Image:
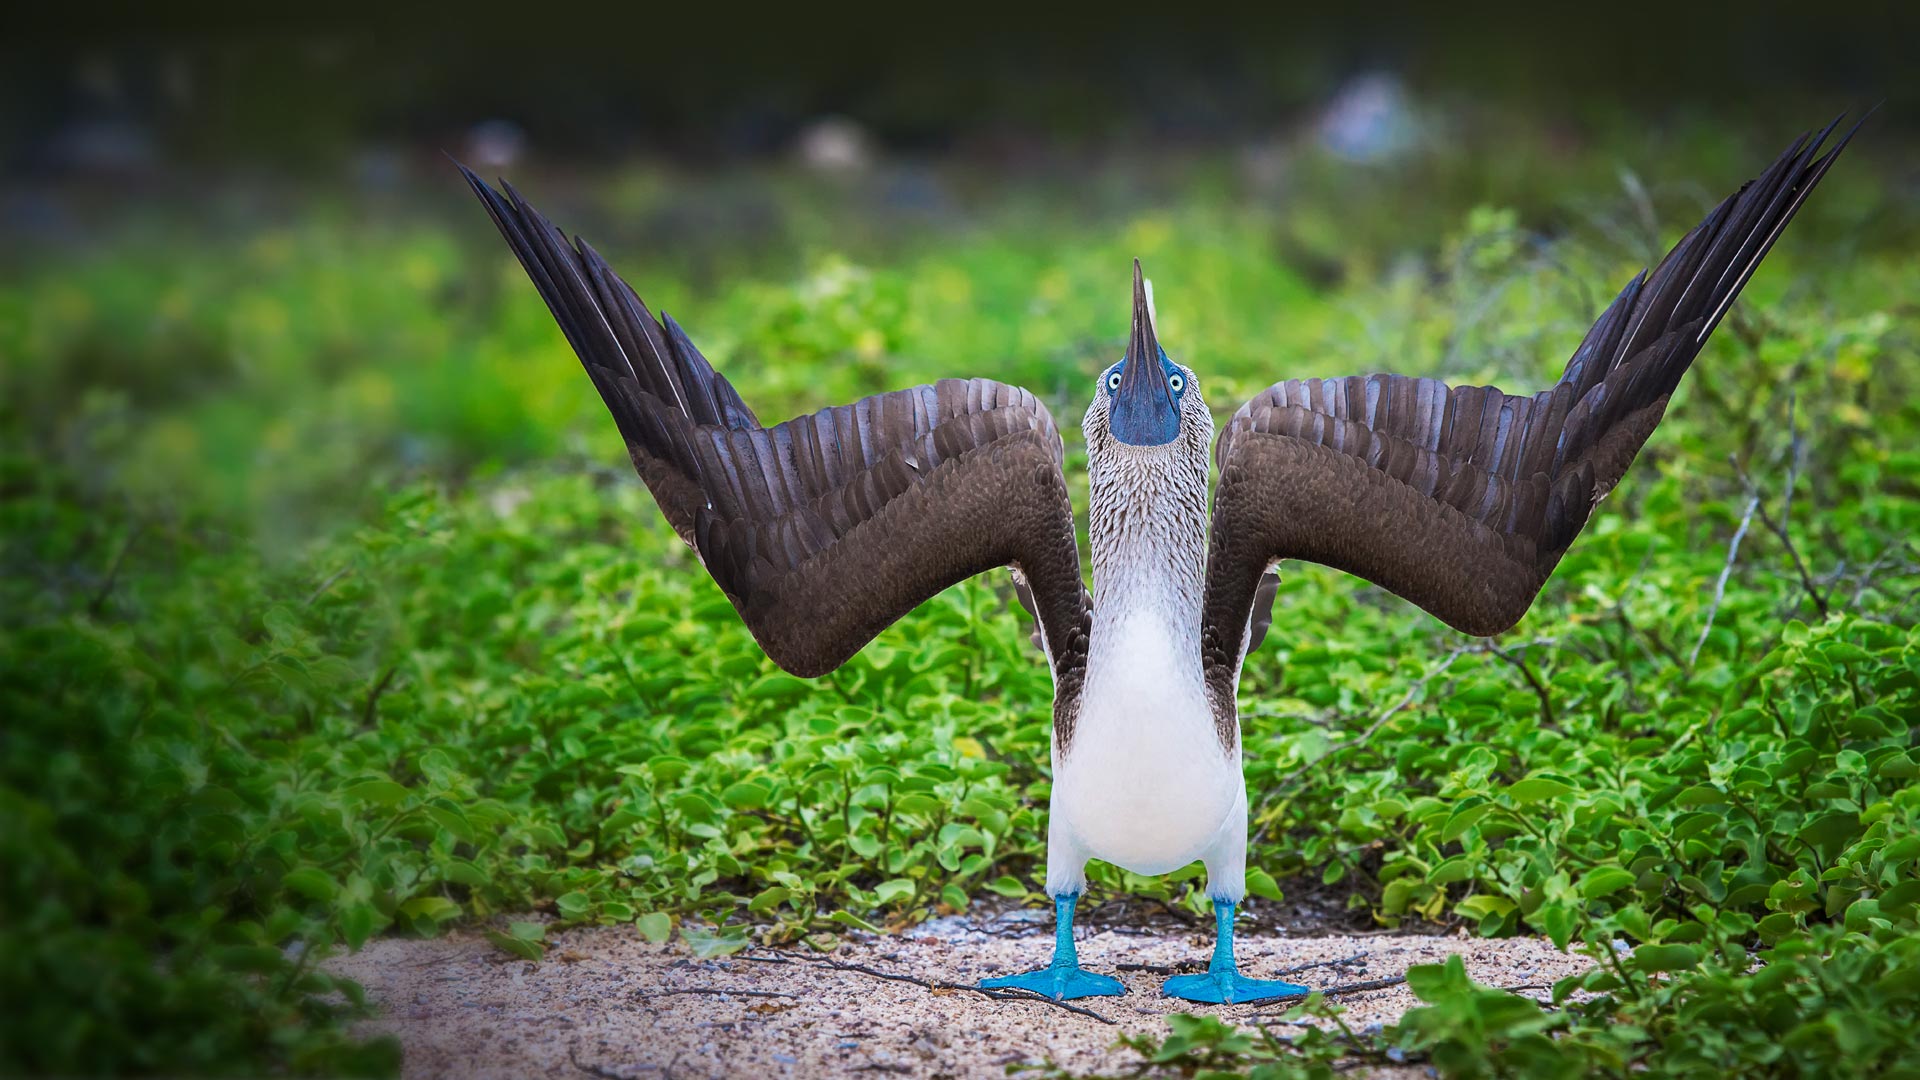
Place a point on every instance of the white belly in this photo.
(1145, 784)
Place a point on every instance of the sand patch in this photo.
(607, 1003)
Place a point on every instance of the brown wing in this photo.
(1462, 499)
(825, 529)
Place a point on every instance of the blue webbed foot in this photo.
(1228, 988)
(1222, 983)
(1061, 983)
(1062, 980)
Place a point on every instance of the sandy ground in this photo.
(607, 1003)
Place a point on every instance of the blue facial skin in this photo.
(1146, 412)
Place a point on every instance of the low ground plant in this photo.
(330, 610)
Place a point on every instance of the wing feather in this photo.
(825, 529)
(1463, 499)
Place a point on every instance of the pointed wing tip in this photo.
(479, 186)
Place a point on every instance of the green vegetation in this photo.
(330, 609)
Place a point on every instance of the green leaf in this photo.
(378, 791)
(516, 946)
(848, 918)
(437, 908)
(1261, 884)
(463, 872)
(1007, 885)
(312, 883)
(668, 768)
(1831, 832)
(745, 795)
(257, 959)
(769, 898)
(1604, 881)
(1652, 958)
(1462, 819)
(453, 821)
(655, 926)
(1433, 983)
(1901, 898)
(1558, 921)
(722, 941)
(1535, 789)
(574, 905)
(358, 923)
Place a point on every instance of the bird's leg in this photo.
(1223, 984)
(1063, 979)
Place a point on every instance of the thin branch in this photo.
(1726, 571)
(1539, 688)
(369, 711)
(1196, 965)
(608, 1074)
(327, 584)
(1796, 456)
(1405, 703)
(99, 601)
(938, 984)
(1779, 529)
(716, 992)
(1333, 991)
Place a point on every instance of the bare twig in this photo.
(1870, 575)
(1199, 965)
(369, 711)
(608, 1074)
(938, 984)
(1334, 991)
(321, 590)
(1795, 456)
(99, 601)
(1404, 704)
(716, 992)
(1342, 962)
(1720, 587)
(1539, 688)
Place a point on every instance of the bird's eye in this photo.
(1176, 382)
(1113, 379)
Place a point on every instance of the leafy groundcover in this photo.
(321, 622)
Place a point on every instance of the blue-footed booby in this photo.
(825, 529)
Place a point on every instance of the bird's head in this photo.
(1146, 402)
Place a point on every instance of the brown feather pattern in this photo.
(825, 529)
(1462, 499)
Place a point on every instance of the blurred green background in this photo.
(331, 606)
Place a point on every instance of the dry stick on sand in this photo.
(642, 994)
(1175, 969)
(1332, 991)
(940, 984)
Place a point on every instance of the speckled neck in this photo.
(1148, 525)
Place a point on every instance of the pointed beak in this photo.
(1143, 411)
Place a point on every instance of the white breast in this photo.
(1145, 784)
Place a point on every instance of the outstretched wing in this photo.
(1462, 499)
(824, 529)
